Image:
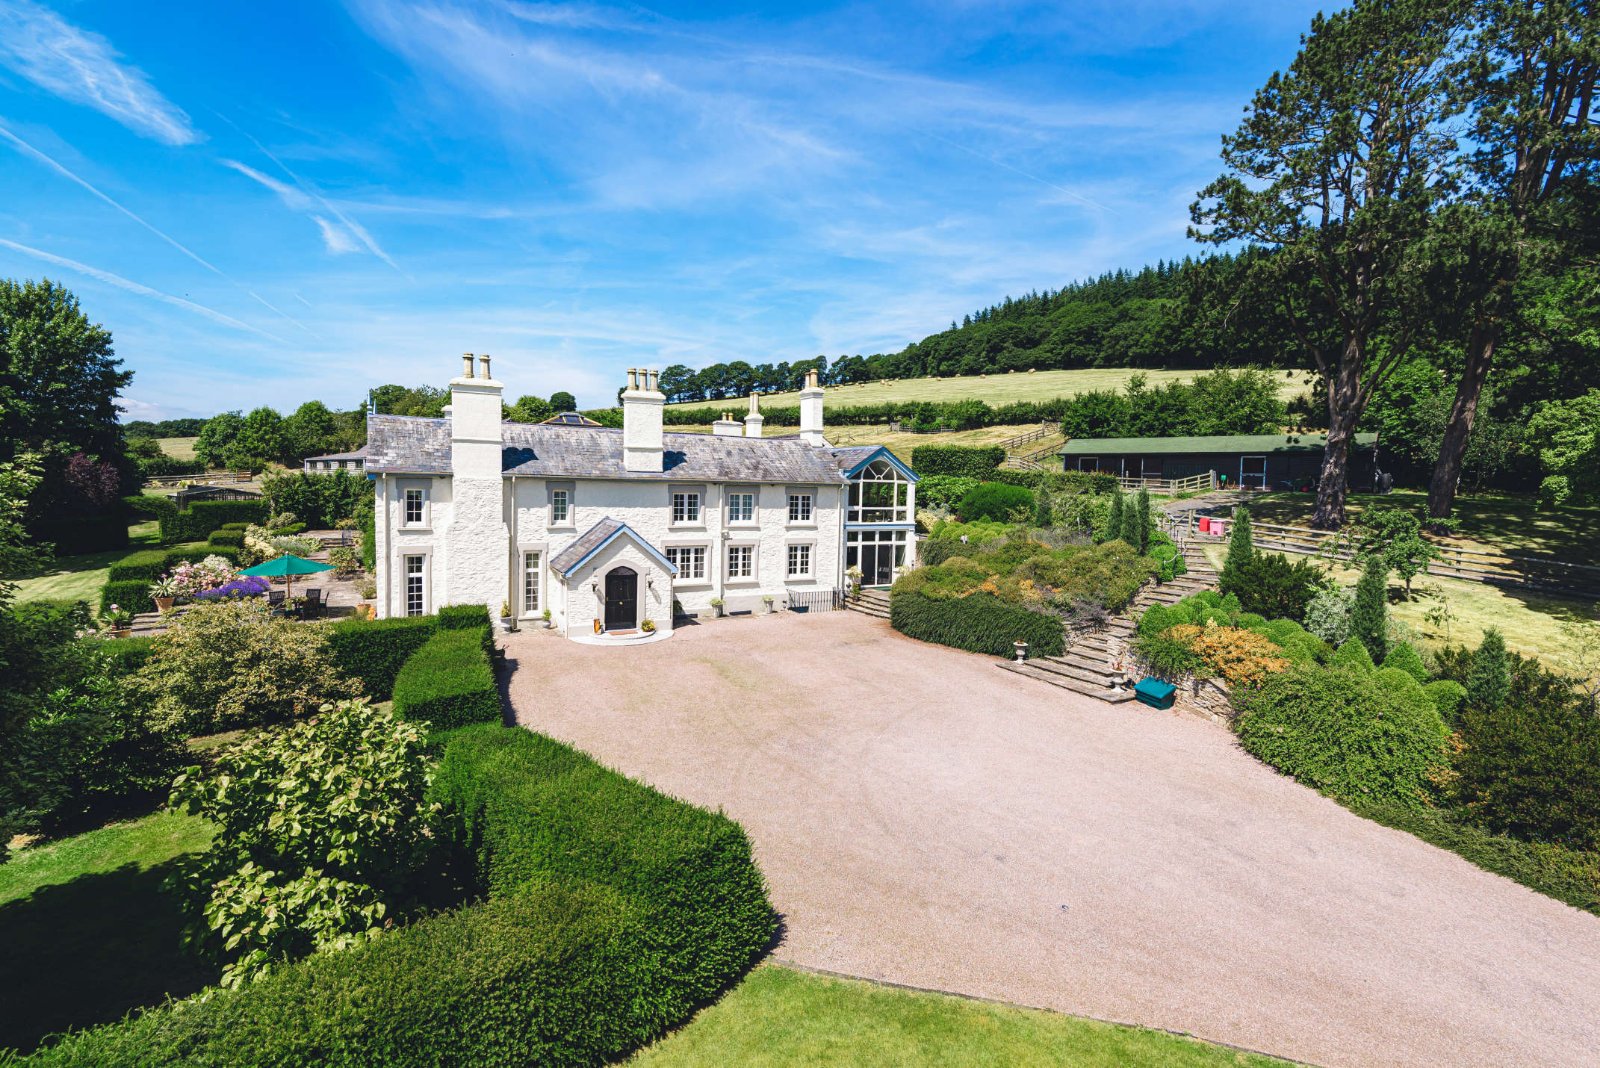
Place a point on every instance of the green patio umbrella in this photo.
(287, 567)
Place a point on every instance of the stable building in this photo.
(1249, 461)
(608, 528)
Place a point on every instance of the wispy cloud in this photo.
(131, 286)
(82, 67)
(345, 235)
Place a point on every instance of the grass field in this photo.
(79, 578)
(178, 448)
(88, 931)
(902, 444)
(1000, 388)
(782, 1018)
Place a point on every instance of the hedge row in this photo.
(374, 651)
(203, 517)
(449, 681)
(965, 461)
(233, 539)
(82, 534)
(954, 415)
(979, 622)
(581, 953)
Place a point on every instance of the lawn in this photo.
(79, 578)
(1000, 388)
(779, 1017)
(89, 932)
(1492, 522)
(178, 448)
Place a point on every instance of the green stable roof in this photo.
(1244, 443)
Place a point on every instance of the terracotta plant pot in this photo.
(164, 604)
(121, 632)
(364, 611)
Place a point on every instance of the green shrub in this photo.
(463, 616)
(1344, 734)
(581, 953)
(1369, 613)
(232, 539)
(152, 506)
(240, 527)
(132, 595)
(203, 517)
(963, 461)
(1270, 585)
(1564, 874)
(1396, 680)
(375, 650)
(449, 682)
(995, 502)
(146, 564)
(1328, 614)
(1352, 655)
(979, 622)
(1447, 696)
(1404, 655)
(1530, 765)
(1165, 657)
(1489, 681)
(943, 491)
(122, 656)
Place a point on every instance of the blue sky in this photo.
(268, 203)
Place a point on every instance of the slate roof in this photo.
(1224, 443)
(359, 454)
(401, 444)
(596, 538)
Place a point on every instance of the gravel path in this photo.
(924, 818)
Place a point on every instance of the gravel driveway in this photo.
(924, 818)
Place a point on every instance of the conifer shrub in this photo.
(1345, 733)
(1489, 681)
(1447, 696)
(1268, 584)
(1404, 655)
(1369, 615)
(1352, 655)
(996, 502)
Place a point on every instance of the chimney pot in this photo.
(466, 365)
(483, 366)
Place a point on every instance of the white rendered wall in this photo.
(654, 587)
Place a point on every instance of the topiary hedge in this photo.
(146, 564)
(132, 595)
(579, 955)
(202, 517)
(979, 622)
(233, 539)
(375, 650)
(1346, 733)
(995, 502)
(449, 682)
(966, 461)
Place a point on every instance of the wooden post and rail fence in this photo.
(1545, 574)
(210, 478)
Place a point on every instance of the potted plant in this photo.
(119, 621)
(364, 611)
(548, 622)
(1021, 648)
(164, 592)
(369, 588)
(716, 606)
(507, 621)
(852, 576)
(648, 626)
(767, 599)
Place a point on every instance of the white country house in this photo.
(604, 528)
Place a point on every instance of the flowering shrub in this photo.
(1242, 657)
(244, 586)
(262, 544)
(189, 580)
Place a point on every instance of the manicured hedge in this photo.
(579, 955)
(126, 655)
(965, 461)
(233, 539)
(463, 616)
(202, 517)
(83, 534)
(1057, 481)
(995, 502)
(979, 622)
(449, 682)
(147, 564)
(375, 650)
(132, 595)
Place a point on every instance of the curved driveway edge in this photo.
(923, 818)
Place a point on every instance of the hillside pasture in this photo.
(901, 444)
(178, 448)
(1000, 389)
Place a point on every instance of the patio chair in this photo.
(313, 604)
(275, 600)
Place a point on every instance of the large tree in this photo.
(1531, 73)
(1336, 169)
(59, 382)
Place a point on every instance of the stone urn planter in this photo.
(164, 604)
(767, 605)
(1021, 648)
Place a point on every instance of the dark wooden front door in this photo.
(622, 599)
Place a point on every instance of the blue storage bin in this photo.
(1155, 693)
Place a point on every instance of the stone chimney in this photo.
(727, 426)
(753, 419)
(642, 405)
(811, 411)
(475, 435)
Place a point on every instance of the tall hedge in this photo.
(375, 650)
(964, 461)
(979, 622)
(147, 564)
(132, 595)
(449, 682)
(579, 955)
(202, 517)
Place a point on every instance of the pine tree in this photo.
(1114, 524)
(1369, 618)
(1143, 513)
(1490, 678)
(1043, 514)
(1241, 551)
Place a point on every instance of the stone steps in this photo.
(874, 603)
(1031, 670)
